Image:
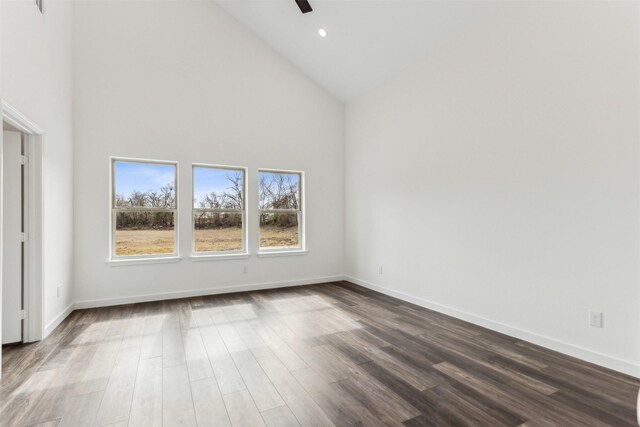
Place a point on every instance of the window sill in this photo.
(142, 261)
(284, 252)
(218, 257)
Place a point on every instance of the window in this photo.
(280, 204)
(218, 209)
(144, 209)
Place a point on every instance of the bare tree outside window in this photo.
(279, 201)
(218, 209)
(144, 208)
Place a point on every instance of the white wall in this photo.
(518, 144)
(36, 80)
(183, 81)
(1, 203)
(498, 180)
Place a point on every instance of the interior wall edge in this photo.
(604, 360)
(51, 326)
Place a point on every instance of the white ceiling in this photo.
(368, 41)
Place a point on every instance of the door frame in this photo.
(33, 326)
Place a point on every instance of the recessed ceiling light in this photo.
(322, 32)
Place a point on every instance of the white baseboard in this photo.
(611, 362)
(601, 359)
(201, 292)
(57, 320)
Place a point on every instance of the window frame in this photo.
(245, 241)
(113, 211)
(302, 246)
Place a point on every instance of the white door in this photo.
(12, 238)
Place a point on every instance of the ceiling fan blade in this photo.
(304, 6)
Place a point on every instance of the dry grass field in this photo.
(145, 242)
(279, 237)
(219, 239)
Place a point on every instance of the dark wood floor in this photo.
(317, 355)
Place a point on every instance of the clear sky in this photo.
(131, 176)
(207, 180)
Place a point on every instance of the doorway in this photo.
(21, 203)
(14, 237)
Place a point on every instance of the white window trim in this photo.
(301, 249)
(220, 255)
(140, 259)
(282, 252)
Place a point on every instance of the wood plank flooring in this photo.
(329, 354)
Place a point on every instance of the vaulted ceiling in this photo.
(367, 42)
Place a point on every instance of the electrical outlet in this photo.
(245, 269)
(595, 319)
(380, 270)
